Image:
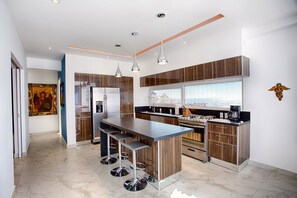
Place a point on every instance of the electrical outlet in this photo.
(226, 115)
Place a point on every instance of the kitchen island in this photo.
(163, 157)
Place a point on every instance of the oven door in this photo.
(195, 139)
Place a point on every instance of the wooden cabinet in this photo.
(235, 66)
(83, 128)
(147, 81)
(157, 118)
(222, 142)
(229, 143)
(143, 116)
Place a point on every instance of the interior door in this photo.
(16, 110)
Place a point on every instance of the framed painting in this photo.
(42, 99)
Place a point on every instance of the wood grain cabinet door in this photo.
(215, 149)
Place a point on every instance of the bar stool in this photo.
(120, 171)
(109, 159)
(135, 184)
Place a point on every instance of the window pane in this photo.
(165, 96)
(214, 95)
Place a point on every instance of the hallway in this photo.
(52, 171)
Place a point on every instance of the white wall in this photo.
(10, 43)
(38, 63)
(273, 125)
(82, 64)
(46, 123)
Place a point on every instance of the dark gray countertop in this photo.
(226, 121)
(147, 129)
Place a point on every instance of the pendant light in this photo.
(162, 60)
(118, 73)
(135, 66)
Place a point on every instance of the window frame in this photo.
(211, 81)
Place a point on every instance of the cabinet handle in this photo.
(191, 150)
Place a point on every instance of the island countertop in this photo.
(151, 130)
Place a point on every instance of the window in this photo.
(165, 96)
(214, 95)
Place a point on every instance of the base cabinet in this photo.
(83, 128)
(157, 118)
(229, 143)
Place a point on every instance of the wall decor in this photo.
(278, 89)
(42, 99)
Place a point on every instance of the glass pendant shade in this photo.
(135, 66)
(162, 60)
(118, 73)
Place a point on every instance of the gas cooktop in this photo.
(195, 119)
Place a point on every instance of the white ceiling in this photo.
(100, 24)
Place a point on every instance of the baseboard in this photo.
(40, 132)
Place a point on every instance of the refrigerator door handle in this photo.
(105, 110)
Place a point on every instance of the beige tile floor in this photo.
(52, 170)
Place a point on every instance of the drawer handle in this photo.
(191, 150)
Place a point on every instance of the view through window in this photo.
(165, 96)
(220, 95)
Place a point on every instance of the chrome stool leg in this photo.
(109, 159)
(135, 184)
(120, 171)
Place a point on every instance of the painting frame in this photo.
(42, 99)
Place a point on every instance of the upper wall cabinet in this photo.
(230, 67)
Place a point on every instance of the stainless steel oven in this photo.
(194, 144)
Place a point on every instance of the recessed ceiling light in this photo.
(185, 42)
(50, 48)
(56, 1)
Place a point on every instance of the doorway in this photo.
(16, 109)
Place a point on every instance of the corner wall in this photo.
(10, 43)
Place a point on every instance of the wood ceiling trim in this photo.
(199, 25)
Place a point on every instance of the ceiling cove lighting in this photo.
(135, 66)
(118, 73)
(162, 60)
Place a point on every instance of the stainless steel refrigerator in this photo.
(105, 104)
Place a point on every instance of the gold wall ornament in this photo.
(279, 88)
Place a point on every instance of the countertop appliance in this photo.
(105, 104)
(194, 144)
(234, 113)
